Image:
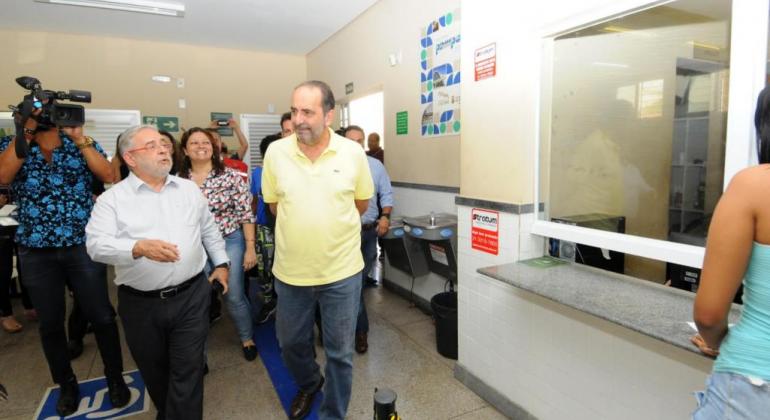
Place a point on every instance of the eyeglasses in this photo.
(153, 147)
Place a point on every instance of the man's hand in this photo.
(75, 133)
(221, 275)
(214, 124)
(156, 250)
(382, 226)
(700, 343)
(232, 123)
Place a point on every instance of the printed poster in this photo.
(485, 231)
(440, 76)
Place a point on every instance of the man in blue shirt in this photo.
(374, 223)
(265, 237)
(53, 188)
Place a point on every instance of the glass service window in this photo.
(636, 125)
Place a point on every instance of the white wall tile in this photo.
(557, 362)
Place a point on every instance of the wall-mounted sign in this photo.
(349, 88)
(440, 76)
(485, 61)
(163, 123)
(223, 117)
(485, 229)
(402, 123)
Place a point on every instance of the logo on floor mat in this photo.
(95, 402)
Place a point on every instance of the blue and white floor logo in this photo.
(94, 401)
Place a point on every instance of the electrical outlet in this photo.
(182, 104)
(180, 82)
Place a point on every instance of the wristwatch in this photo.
(385, 215)
(224, 265)
(88, 143)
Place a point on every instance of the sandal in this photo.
(10, 324)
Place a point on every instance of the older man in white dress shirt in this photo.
(153, 227)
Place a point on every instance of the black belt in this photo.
(165, 293)
(367, 226)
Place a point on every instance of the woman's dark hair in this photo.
(186, 165)
(123, 167)
(175, 152)
(762, 124)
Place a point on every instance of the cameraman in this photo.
(53, 188)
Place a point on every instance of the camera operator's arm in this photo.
(97, 163)
(116, 163)
(9, 162)
(244, 144)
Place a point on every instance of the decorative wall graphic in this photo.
(440, 76)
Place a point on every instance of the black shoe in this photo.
(205, 369)
(370, 282)
(250, 352)
(214, 317)
(119, 393)
(74, 349)
(69, 397)
(362, 343)
(267, 312)
(303, 402)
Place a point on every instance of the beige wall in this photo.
(118, 72)
(359, 53)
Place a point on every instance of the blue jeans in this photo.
(46, 270)
(237, 303)
(732, 396)
(369, 252)
(294, 326)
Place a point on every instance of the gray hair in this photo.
(126, 139)
(327, 97)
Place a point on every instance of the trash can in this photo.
(444, 306)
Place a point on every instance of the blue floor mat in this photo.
(267, 344)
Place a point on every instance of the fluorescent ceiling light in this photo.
(603, 64)
(161, 79)
(140, 6)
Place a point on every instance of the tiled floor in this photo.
(402, 356)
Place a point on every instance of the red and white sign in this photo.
(485, 61)
(485, 228)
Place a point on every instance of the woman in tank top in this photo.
(738, 251)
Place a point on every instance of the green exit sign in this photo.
(402, 123)
(163, 123)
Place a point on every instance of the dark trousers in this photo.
(77, 324)
(369, 253)
(7, 248)
(46, 271)
(166, 338)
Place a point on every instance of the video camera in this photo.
(53, 114)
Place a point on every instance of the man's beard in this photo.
(155, 171)
(315, 137)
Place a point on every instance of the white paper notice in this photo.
(438, 254)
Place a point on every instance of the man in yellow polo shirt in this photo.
(317, 184)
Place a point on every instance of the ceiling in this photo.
(283, 26)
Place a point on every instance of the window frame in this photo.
(747, 78)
